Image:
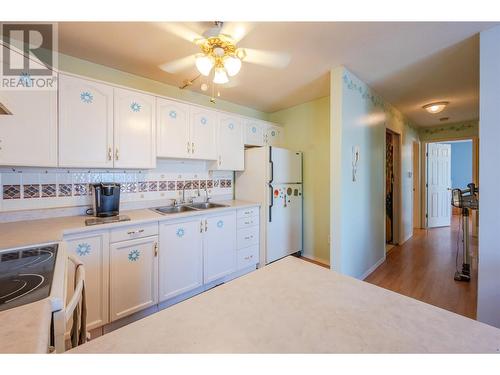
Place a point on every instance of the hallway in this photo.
(424, 266)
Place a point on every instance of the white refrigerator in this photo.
(273, 177)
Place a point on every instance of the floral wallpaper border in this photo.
(455, 127)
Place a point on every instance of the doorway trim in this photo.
(423, 175)
(397, 199)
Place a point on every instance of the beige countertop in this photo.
(32, 232)
(293, 306)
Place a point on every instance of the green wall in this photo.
(104, 73)
(307, 129)
(465, 129)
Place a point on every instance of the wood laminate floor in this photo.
(424, 266)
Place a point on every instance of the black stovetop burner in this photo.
(26, 275)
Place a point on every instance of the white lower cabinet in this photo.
(219, 246)
(133, 276)
(181, 257)
(93, 250)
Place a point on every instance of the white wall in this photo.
(359, 117)
(357, 207)
(488, 304)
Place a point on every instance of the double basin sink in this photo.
(187, 207)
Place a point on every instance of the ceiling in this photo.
(408, 63)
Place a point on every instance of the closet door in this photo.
(134, 130)
(85, 123)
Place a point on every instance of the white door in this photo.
(254, 133)
(230, 144)
(85, 123)
(93, 250)
(438, 185)
(172, 129)
(133, 276)
(203, 133)
(134, 129)
(286, 166)
(180, 257)
(284, 229)
(28, 137)
(219, 246)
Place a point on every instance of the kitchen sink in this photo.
(173, 209)
(185, 208)
(206, 205)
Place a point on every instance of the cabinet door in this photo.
(28, 137)
(219, 246)
(133, 276)
(254, 133)
(134, 129)
(180, 258)
(274, 136)
(93, 251)
(203, 133)
(230, 144)
(172, 129)
(85, 123)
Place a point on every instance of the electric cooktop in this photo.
(26, 275)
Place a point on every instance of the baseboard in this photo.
(372, 268)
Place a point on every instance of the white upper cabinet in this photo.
(219, 246)
(85, 123)
(230, 147)
(203, 133)
(274, 136)
(172, 129)
(28, 137)
(254, 133)
(134, 129)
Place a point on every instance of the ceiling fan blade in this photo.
(237, 30)
(267, 58)
(180, 30)
(178, 65)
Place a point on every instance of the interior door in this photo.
(438, 185)
(284, 231)
(134, 129)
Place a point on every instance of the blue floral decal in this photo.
(254, 129)
(203, 120)
(86, 97)
(231, 126)
(180, 232)
(83, 249)
(26, 80)
(220, 224)
(172, 114)
(136, 107)
(133, 255)
(273, 133)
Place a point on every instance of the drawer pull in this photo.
(249, 257)
(135, 232)
(248, 237)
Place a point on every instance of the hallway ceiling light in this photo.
(435, 107)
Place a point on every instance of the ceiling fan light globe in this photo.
(204, 64)
(232, 65)
(220, 76)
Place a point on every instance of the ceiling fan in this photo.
(220, 57)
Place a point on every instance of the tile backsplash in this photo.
(37, 188)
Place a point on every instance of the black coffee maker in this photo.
(106, 199)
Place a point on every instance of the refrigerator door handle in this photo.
(272, 164)
(271, 204)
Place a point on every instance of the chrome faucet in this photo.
(207, 198)
(184, 193)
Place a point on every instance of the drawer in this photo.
(245, 212)
(248, 237)
(246, 222)
(133, 232)
(248, 257)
